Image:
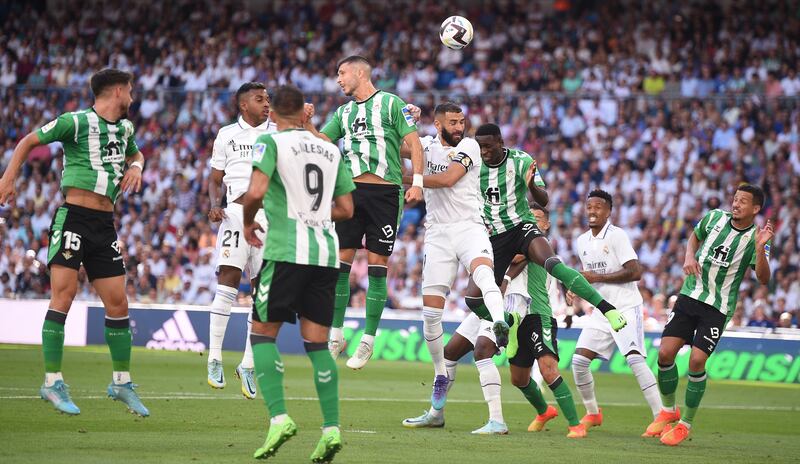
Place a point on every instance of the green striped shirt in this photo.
(505, 194)
(537, 290)
(95, 150)
(305, 173)
(373, 131)
(724, 255)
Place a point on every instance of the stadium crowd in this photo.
(668, 110)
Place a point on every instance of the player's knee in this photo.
(484, 350)
(634, 358)
(520, 377)
(580, 363)
(548, 366)
(665, 356)
(697, 363)
(551, 262)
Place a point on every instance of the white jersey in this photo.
(462, 202)
(232, 154)
(605, 254)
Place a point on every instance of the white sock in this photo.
(336, 334)
(121, 377)
(647, 381)
(51, 377)
(247, 358)
(368, 339)
(433, 332)
(483, 276)
(277, 420)
(584, 381)
(329, 428)
(490, 384)
(218, 319)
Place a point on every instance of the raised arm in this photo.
(21, 152)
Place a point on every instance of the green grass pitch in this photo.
(191, 423)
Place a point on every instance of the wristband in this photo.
(137, 164)
(417, 182)
(507, 278)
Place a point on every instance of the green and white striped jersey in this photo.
(305, 173)
(95, 150)
(373, 131)
(724, 255)
(505, 194)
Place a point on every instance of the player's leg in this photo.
(342, 299)
(226, 292)
(584, 380)
(63, 288)
(270, 311)
(711, 324)
(315, 307)
(245, 371)
(111, 291)
(520, 368)
(630, 342)
(489, 376)
(540, 252)
(459, 345)
(351, 236)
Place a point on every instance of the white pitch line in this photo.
(201, 396)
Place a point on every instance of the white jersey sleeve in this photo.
(462, 202)
(622, 246)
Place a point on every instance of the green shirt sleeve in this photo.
(60, 129)
(700, 228)
(402, 120)
(524, 162)
(265, 154)
(333, 129)
(344, 180)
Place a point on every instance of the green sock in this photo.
(483, 312)
(667, 384)
(534, 397)
(565, 401)
(376, 298)
(694, 393)
(119, 340)
(342, 296)
(576, 283)
(53, 340)
(269, 372)
(326, 379)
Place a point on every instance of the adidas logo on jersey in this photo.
(177, 333)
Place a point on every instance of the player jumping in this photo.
(373, 127)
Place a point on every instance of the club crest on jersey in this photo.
(258, 152)
(605, 249)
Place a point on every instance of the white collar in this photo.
(244, 125)
(602, 234)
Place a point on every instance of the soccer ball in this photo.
(456, 32)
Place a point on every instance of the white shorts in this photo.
(473, 327)
(232, 248)
(517, 303)
(447, 245)
(598, 336)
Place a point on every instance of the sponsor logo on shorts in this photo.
(116, 246)
(67, 255)
(387, 230)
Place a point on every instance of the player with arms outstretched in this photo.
(231, 165)
(373, 126)
(720, 250)
(612, 266)
(99, 145)
(296, 176)
(455, 234)
(507, 176)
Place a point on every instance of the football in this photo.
(456, 32)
